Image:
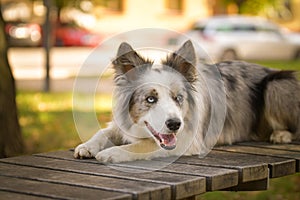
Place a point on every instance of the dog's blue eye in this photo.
(151, 99)
(179, 98)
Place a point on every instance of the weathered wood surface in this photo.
(289, 152)
(215, 176)
(57, 175)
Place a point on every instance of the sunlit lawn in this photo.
(286, 65)
(47, 124)
(47, 120)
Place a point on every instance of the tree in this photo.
(11, 141)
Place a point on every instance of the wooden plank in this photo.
(278, 167)
(249, 171)
(251, 186)
(217, 178)
(182, 186)
(286, 147)
(249, 168)
(56, 191)
(18, 196)
(272, 152)
(140, 189)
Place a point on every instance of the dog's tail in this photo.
(279, 75)
(281, 93)
(277, 78)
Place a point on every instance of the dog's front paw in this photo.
(114, 155)
(85, 151)
(281, 137)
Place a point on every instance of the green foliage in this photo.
(253, 7)
(65, 3)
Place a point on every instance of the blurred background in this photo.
(44, 43)
(76, 27)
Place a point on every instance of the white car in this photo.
(241, 37)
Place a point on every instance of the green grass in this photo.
(284, 188)
(47, 120)
(47, 125)
(285, 65)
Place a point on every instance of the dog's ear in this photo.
(187, 52)
(128, 59)
(184, 60)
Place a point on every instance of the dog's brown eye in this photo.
(151, 99)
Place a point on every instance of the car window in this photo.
(244, 27)
(271, 30)
(224, 28)
(268, 29)
(199, 28)
(235, 28)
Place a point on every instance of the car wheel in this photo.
(229, 55)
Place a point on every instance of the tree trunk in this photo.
(11, 142)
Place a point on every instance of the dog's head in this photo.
(155, 100)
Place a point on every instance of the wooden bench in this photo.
(241, 167)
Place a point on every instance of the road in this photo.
(67, 65)
(28, 63)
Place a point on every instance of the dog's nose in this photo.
(173, 124)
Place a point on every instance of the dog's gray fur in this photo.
(259, 104)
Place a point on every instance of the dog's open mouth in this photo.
(167, 141)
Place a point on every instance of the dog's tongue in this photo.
(168, 141)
